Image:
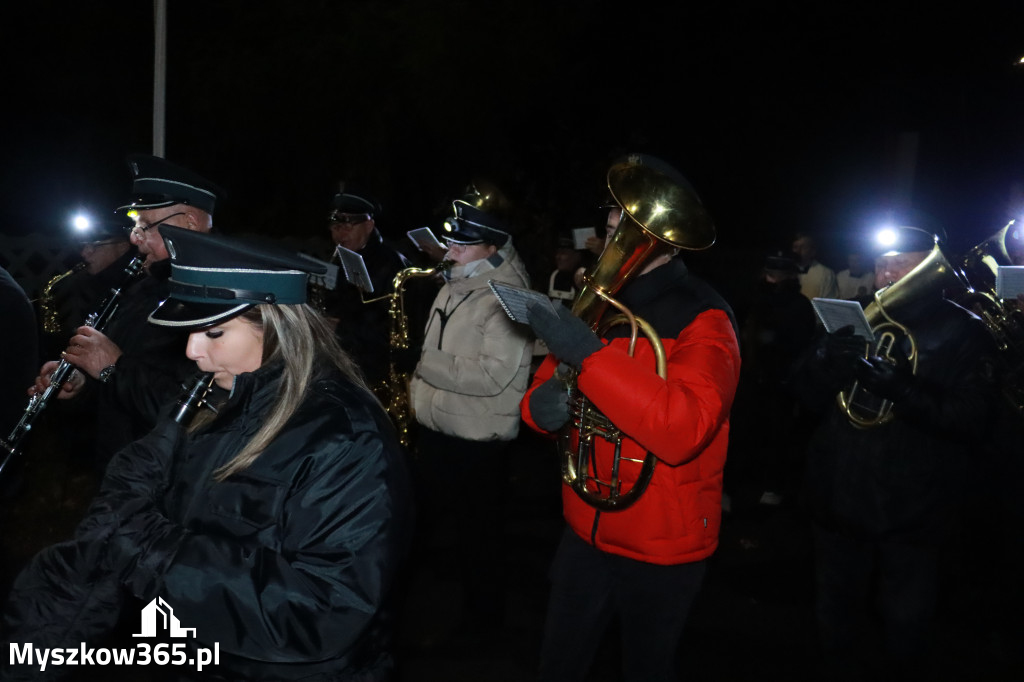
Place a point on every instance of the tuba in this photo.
(891, 304)
(660, 214)
(1003, 320)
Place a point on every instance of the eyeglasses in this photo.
(91, 246)
(144, 228)
(348, 218)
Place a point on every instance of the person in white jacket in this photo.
(465, 393)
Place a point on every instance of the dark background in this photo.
(784, 115)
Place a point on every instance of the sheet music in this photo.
(423, 238)
(355, 269)
(515, 300)
(835, 314)
(328, 280)
(580, 236)
(1009, 281)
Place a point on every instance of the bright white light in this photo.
(81, 222)
(886, 236)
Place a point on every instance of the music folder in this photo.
(355, 269)
(1009, 281)
(514, 300)
(424, 239)
(836, 313)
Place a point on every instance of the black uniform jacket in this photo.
(150, 370)
(900, 478)
(364, 328)
(286, 566)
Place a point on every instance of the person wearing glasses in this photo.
(272, 529)
(133, 366)
(363, 328)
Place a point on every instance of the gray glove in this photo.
(548, 404)
(566, 336)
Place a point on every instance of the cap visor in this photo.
(187, 315)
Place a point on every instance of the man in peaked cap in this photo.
(881, 478)
(363, 328)
(134, 366)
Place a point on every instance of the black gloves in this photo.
(884, 379)
(567, 336)
(841, 352)
(548, 404)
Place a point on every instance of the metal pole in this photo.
(159, 75)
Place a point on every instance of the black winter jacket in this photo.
(286, 566)
(900, 478)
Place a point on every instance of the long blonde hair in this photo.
(299, 338)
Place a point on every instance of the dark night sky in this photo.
(784, 115)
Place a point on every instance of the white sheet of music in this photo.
(516, 299)
(423, 237)
(355, 269)
(836, 313)
(1009, 281)
(580, 236)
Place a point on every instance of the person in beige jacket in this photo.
(465, 393)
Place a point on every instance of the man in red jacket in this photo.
(644, 563)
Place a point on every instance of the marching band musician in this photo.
(465, 394)
(135, 366)
(272, 525)
(644, 563)
(363, 328)
(880, 496)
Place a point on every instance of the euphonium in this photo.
(395, 388)
(659, 215)
(1003, 320)
(898, 301)
(47, 304)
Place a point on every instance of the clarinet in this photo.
(194, 398)
(12, 445)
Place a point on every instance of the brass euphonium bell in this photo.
(898, 301)
(660, 214)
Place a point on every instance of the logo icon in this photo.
(159, 615)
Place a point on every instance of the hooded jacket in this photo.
(476, 361)
(682, 419)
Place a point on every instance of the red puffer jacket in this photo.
(683, 420)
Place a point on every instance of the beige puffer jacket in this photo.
(476, 361)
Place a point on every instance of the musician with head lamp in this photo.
(905, 410)
(274, 524)
(644, 560)
(133, 366)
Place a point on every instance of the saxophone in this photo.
(395, 388)
(47, 304)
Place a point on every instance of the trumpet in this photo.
(65, 370)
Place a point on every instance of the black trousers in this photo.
(463, 484)
(589, 587)
(875, 602)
